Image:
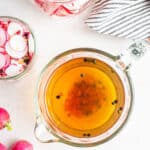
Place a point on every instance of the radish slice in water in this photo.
(2, 49)
(31, 44)
(14, 28)
(13, 53)
(18, 43)
(2, 37)
(16, 47)
(7, 60)
(13, 70)
(2, 60)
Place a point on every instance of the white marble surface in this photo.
(55, 35)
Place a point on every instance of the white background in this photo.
(53, 36)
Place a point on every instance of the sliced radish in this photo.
(31, 44)
(2, 60)
(18, 43)
(13, 53)
(13, 70)
(7, 60)
(16, 47)
(2, 37)
(2, 49)
(14, 27)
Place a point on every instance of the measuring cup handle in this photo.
(134, 52)
(37, 129)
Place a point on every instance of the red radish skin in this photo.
(2, 147)
(22, 145)
(4, 119)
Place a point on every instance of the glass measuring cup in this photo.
(116, 67)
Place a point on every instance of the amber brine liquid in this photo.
(84, 97)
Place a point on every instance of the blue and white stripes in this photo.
(121, 18)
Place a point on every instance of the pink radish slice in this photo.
(14, 27)
(2, 60)
(31, 44)
(18, 43)
(2, 49)
(16, 47)
(13, 53)
(13, 70)
(7, 60)
(2, 37)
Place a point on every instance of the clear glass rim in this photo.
(95, 140)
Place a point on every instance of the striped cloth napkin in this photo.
(121, 18)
